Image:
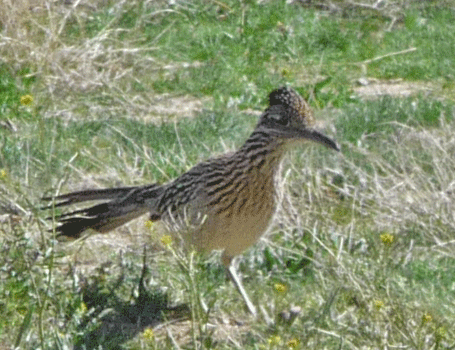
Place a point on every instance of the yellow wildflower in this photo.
(82, 309)
(166, 240)
(274, 340)
(378, 304)
(427, 318)
(26, 100)
(148, 334)
(280, 288)
(148, 224)
(293, 343)
(440, 333)
(3, 174)
(387, 238)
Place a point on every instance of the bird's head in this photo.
(290, 117)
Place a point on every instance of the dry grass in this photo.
(334, 210)
(407, 192)
(84, 76)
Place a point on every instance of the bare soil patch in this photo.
(369, 88)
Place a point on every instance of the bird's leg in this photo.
(230, 268)
(238, 284)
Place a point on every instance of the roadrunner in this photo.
(224, 203)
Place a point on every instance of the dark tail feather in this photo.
(102, 222)
(124, 204)
(89, 195)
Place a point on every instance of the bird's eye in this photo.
(278, 118)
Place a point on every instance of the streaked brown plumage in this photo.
(223, 203)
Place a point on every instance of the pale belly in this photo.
(231, 233)
(234, 235)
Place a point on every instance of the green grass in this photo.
(50, 144)
(244, 50)
(135, 92)
(384, 115)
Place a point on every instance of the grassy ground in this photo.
(103, 93)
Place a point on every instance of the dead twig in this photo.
(378, 58)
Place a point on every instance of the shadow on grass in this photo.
(112, 320)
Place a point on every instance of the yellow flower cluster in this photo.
(387, 238)
(26, 100)
(293, 343)
(440, 333)
(166, 240)
(378, 304)
(426, 318)
(274, 340)
(148, 334)
(280, 288)
(148, 224)
(83, 308)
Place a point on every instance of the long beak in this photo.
(304, 133)
(316, 136)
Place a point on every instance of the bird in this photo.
(224, 203)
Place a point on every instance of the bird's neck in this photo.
(263, 152)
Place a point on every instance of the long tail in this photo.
(120, 205)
